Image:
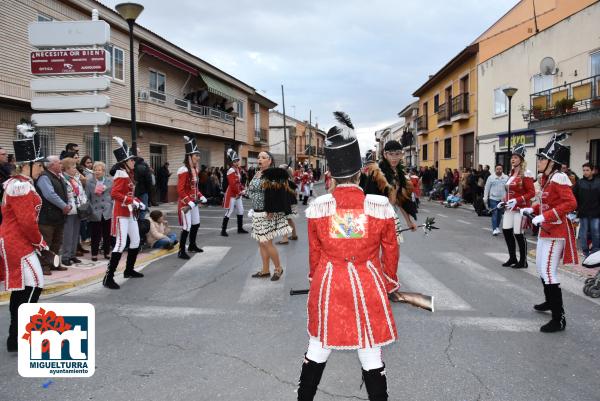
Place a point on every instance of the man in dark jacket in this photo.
(5, 171)
(587, 193)
(162, 180)
(143, 182)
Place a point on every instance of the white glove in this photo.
(537, 220)
(526, 210)
(500, 205)
(191, 204)
(250, 213)
(138, 205)
(510, 205)
(203, 199)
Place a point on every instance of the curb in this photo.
(63, 286)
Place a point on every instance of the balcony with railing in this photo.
(572, 105)
(460, 107)
(443, 115)
(422, 125)
(261, 136)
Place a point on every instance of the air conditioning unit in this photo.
(256, 108)
(144, 95)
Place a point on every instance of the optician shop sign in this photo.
(526, 138)
(69, 61)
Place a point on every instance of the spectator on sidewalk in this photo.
(162, 181)
(143, 182)
(448, 183)
(72, 148)
(160, 235)
(53, 191)
(98, 190)
(76, 198)
(494, 192)
(587, 193)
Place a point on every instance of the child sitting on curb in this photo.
(159, 235)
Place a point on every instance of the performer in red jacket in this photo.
(189, 198)
(353, 255)
(233, 195)
(20, 239)
(519, 192)
(306, 182)
(124, 219)
(556, 238)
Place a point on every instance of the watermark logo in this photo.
(57, 340)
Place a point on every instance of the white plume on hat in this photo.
(119, 140)
(26, 130)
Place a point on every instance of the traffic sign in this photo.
(70, 102)
(68, 61)
(69, 84)
(70, 119)
(69, 33)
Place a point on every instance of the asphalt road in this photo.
(205, 330)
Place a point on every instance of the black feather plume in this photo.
(333, 131)
(343, 119)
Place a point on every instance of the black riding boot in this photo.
(240, 219)
(522, 264)
(109, 277)
(131, 258)
(304, 202)
(193, 233)
(510, 243)
(310, 377)
(182, 242)
(544, 306)
(18, 298)
(224, 227)
(558, 322)
(376, 384)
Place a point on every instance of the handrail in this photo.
(422, 123)
(443, 113)
(460, 104)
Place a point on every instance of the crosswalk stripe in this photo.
(463, 222)
(496, 324)
(260, 290)
(441, 215)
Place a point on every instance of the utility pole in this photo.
(285, 134)
(309, 136)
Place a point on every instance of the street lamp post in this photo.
(509, 92)
(130, 12)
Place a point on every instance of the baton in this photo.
(427, 226)
(298, 292)
(531, 216)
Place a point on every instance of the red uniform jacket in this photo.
(557, 200)
(307, 178)
(234, 186)
(353, 257)
(521, 189)
(187, 188)
(122, 194)
(19, 233)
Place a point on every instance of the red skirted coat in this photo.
(19, 233)
(306, 180)
(234, 186)
(521, 189)
(557, 200)
(122, 194)
(187, 189)
(353, 256)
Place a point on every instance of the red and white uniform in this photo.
(124, 220)
(353, 257)
(556, 238)
(233, 195)
(306, 181)
(189, 195)
(522, 191)
(416, 183)
(20, 236)
(327, 180)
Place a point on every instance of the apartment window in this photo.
(500, 102)
(44, 18)
(425, 152)
(256, 120)
(436, 103)
(464, 84)
(240, 108)
(116, 63)
(447, 148)
(157, 81)
(425, 108)
(105, 148)
(542, 82)
(595, 59)
(47, 137)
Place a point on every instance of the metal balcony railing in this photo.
(573, 97)
(261, 135)
(422, 123)
(460, 104)
(443, 114)
(176, 103)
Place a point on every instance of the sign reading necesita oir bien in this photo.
(69, 61)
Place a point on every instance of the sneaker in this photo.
(496, 232)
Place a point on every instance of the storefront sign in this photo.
(71, 61)
(526, 138)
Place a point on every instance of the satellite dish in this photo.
(547, 66)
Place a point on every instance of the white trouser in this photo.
(33, 275)
(512, 220)
(547, 257)
(192, 217)
(127, 226)
(306, 191)
(370, 358)
(235, 204)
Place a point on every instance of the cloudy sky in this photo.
(363, 57)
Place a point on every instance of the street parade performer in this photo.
(306, 184)
(188, 208)
(353, 255)
(556, 236)
(233, 195)
(124, 218)
(519, 192)
(20, 238)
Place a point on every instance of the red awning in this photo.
(168, 59)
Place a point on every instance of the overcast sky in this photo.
(363, 57)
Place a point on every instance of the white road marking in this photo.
(487, 229)
(425, 210)
(463, 222)
(441, 215)
(500, 324)
(263, 290)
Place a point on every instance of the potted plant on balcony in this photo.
(595, 103)
(536, 111)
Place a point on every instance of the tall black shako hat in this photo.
(520, 151)
(191, 148)
(555, 151)
(341, 148)
(391, 146)
(28, 149)
(122, 153)
(232, 155)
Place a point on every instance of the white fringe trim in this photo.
(561, 179)
(323, 206)
(18, 188)
(379, 207)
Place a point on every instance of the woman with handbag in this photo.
(98, 190)
(79, 209)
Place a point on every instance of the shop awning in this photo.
(168, 59)
(219, 88)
